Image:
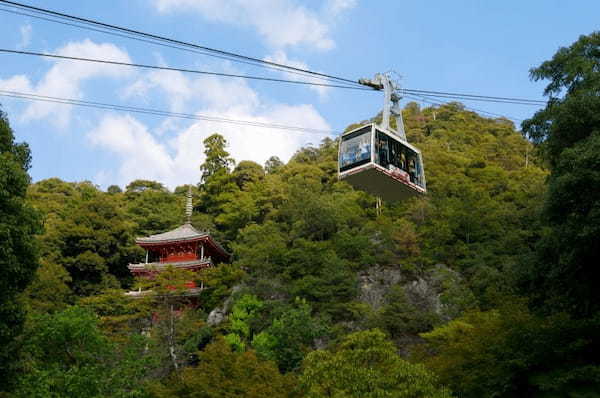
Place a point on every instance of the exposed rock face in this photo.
(216, 316)
(375, 282)
(219, 314)
(424, 295)
(435, 291)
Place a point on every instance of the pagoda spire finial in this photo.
(188, 206)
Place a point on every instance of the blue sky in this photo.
(479, 47)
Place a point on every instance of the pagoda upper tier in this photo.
(184, 247)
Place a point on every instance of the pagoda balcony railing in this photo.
(145, 293)
(158, 266)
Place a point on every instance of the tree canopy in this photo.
(19, 223)
(482, 288)
(568, 129)
(365, 364)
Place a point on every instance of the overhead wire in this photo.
(498, 100)
(157, 39)
(440, 103)
(436, 94)
(84, 23)
(144, 40)
(159, 112)
(442, 93)
(228, 55)
(195, 71)
(163, 113)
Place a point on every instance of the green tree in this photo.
(49, 291)
(66, 355)
(217, 185)
(365, 364)
(114, 189)
(94, 242)
(246, 172)
(138, 186)
(224, 373)
(568, 129)
(399, 316)
(510, 352)
(273, 164)
(19, 224)
(221, 280)
(154, 210)
(243, 309)
(217, 158)
(119, 315)
(290, 337)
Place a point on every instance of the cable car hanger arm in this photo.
(391, 101)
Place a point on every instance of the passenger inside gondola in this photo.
(412, 169)
(402, 160)
(397, 158)
(383, 151)
(355, 149)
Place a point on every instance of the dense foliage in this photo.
(67, 355)
(514, 352)
(18, 250)
(365, 364)
(568, 129)
(482, 288)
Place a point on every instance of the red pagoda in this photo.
(184, 247)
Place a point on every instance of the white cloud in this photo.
(185, 95)
(173, 84)
(179, 90)
(176, 160)
(280, 57)
(142, 156)
(281, 23)
(26, 32)
(336, 7)
(65, 77)
(18, 83)
(250, 142)
(143, 150)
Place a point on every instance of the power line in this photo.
(468, 98)
(156, 39)
(106, 28)
(420, 97)
(3, 50)
(437, 94)
(163, 113)
(474, 96)
(164, 44)
(432, 102)
(158, 112)
(182, 45)
(150, 41)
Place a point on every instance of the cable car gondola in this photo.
(376, 159)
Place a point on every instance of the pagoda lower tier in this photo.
(150, 269)
(182, 248)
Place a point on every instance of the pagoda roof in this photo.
(181, 233)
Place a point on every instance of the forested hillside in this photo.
(464, 292)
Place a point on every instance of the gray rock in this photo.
(216, 316)
(375, 282)
(219, 314)
(424, 295)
